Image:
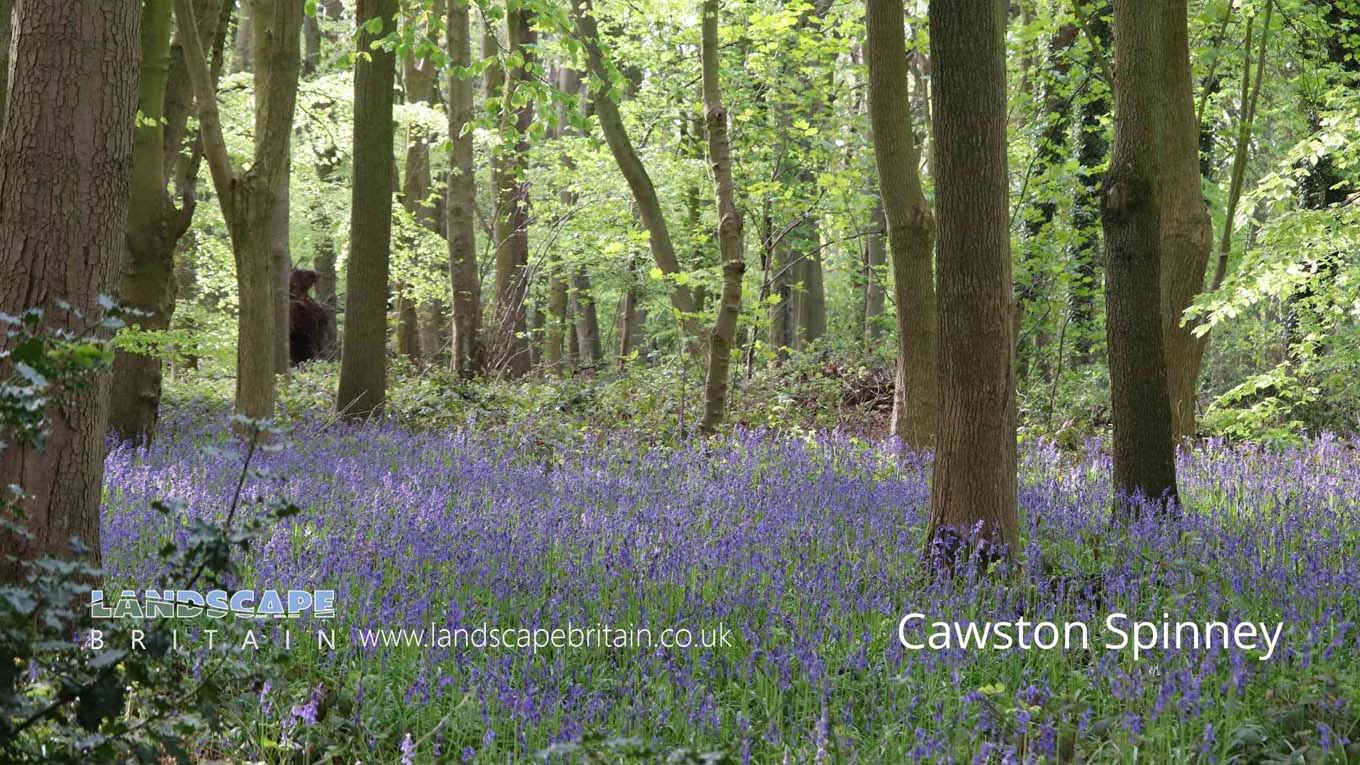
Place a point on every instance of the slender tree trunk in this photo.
(629, 318)
(363, 361)
(911, 228)
(569, 82)
(812, 306)
(247, 199)
(311, 35)
(634, 172)
(876, 256)
(1186, 233)
(243, 48)
(1093, 147)
(419, 77)
(590, 351)
(1134, 198)
(65, 165)
(730, 241)
(155, 226)
(281, 259)
(1251, 94)
(974, 484)
(1050, 154)
(464, 281)
(510, 351)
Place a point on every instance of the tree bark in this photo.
(911, 227)
(311, 35)
(812, 299)
(419, 77)
(65, 165)
(876, 256)
(6, 14)
(1186, 233)
(243, 47)
(363, 360)
(1134, 198)
(510, 351)
(590, 352)
(974, 483)
(247, 199)
(155, 225)
(730, 237)
(1093, 147)
(464, 281)
(634, 172)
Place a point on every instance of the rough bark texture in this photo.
(509, 349)
(65, 164)
(247, 199)
(911, 228)
(155, 224)
(6, 12)
(639, 182)
(464, 283)
(730, 241)
(974, 482)
(363, 360)
(1144, 453)
(1186, 233)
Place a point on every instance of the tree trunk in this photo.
(1049, 154)
(1144, 453)
(569, 83)
(65, 165)
(247, 199)
(812, 305)
(243, 48)
(1093, 147)
(311, 35)
(911, 228)
(634, 172)
(974, 483)
(876, 256)
(419, 77)
(629, 318)
(363, 360)
(583, 308)
(464, 280)
(730, 241)
(155, 225)
(510, 352)
(1186, 233)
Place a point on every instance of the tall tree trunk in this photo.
(1186, 233)
(1093, 147)
(634, 172)
(1134, 198)
(281, 260)
(629, 318)
(974, 483)
(155, 225)
(243, 49)
(419, 77)
(247, 199)
(65, 164)
(569, 83)
(591, 353)
(812, 305)
(730, 241)
(911, 228)
(1049, 154)
(876, 256)
(1251, 94)
(311, 35)
(510, 352)
(363, 360)
(464, 280)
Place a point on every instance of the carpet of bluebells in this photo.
(807, 549)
